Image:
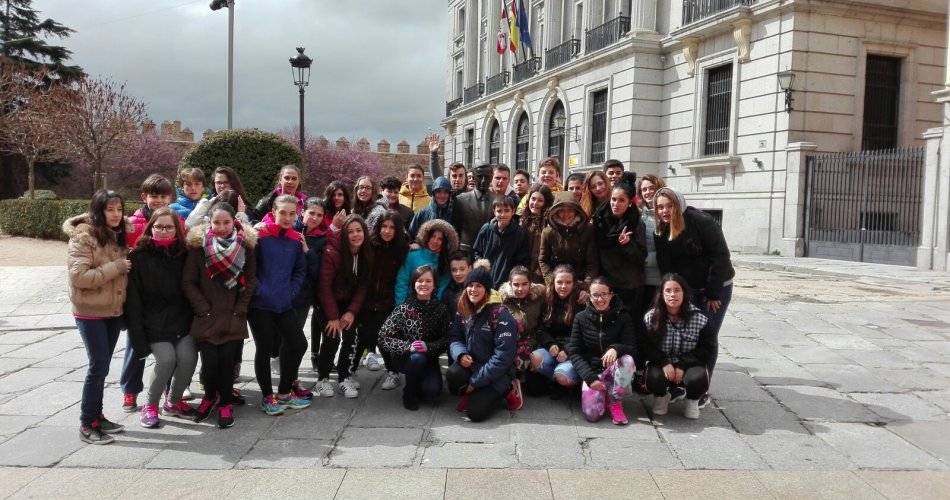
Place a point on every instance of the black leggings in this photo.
(368, 336)
(695, 380)
(329, 345)
(267, 326)
(217, 368)
(483, 401)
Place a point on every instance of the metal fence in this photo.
(497, 82)
(607, 34)
(474, 92)
(526, 69)
(451, 106)
(865, 206)
(697, 10)
(561, 54)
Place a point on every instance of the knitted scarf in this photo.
(224, 258)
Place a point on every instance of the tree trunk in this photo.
(31, 177)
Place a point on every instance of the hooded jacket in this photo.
(184, 205)
(220, 312)
(568, 243)
(526, 311)
(416, 200)
(699, 254)
(623, 264)
(490, 337)
(595, 332)
(98, 277)
(423, 256)
(281, 269)
(504, 248)
(433, 210)
(155, 308)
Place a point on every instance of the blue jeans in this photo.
(133, 370)
(714, 320)
(100, 337)
(550, 367)
(423, 374)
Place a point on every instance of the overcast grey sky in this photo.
(378, 71)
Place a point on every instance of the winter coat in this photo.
(412, 320)
(568, 243)
(699, 254)
(505, 249)
(534, 225)
(595, 332)
(425, 257)
(450, 296)
(138, 220)
(490, 337)
(386, 264)
(220, 312)
(684, 344)
(281, 269)
(97, 273)
(200, 214)
(623, 264)
(184, 205)
(416, 200)
(557, 332)
(156, 310)
(265, 206)
(405, 213)
(472, 210)
(523, 205)
(433, 210)
(333, 290)
(526, 311)
(316, 242)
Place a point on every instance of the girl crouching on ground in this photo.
(549, 363)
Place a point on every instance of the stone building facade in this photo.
(690, 90)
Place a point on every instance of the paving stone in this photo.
(812, 354)
(44, 399)
(449, 425)
(754, 417)
(876, 359)
(15, 424)
(932, 437)
(320, 484)
(818, 403)
(713, 448)
(737, 386)
(874, 447)
(14, 478)
(830, 485)
(80, 483)
(851, 378)
(544, 409)
(630, 454)
(320, 423)
(478, 484)
(852, 342)
(126, 452)
(25, 337)
(918, 379)
(468, 455)
(73, 358)
(546, 445)
(705, 484)
(376, 447)
(906, 484)
(396, 415)
(748, 348)
(940, 399)
(217, 449)
(640, 427)
(186, 484)
(576, 484)
(783, 451)
(40, 446)
(899, 407)
(780, 372)
(10, 365)
(916, 353)
(942, 368)
(29, 378)
(286, 454)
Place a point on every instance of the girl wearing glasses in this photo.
(159, 316)
(365, 193)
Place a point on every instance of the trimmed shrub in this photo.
(40, 194)
(44, 218)
(256, 156)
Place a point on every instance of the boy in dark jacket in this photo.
(501, 242)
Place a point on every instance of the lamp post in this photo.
(785, 81)
(300, 67)
(218, 5)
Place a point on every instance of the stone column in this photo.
(929, 220)
(793, 229)
(643, 16)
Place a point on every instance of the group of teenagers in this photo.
(610, 285)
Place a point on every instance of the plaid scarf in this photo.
(224, 258)
(681, 336)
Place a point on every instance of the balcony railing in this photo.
(526, 69)
(561, 54)
(497, 82)
(607, 34)
(451, 105)
(697, 10)
(473, 93)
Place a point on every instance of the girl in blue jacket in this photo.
(436, 240)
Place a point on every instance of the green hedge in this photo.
(256, 156)
(44, 218)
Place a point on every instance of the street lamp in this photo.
(218, 5)
(300, 67)
(785, 81)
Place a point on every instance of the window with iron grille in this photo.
(494, 144)
(598, 127)
(882, 85)
(556, 134)
(469, 147)
(716, 214)
(521, 143)
(718, 106)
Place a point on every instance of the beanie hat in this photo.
(480, 274)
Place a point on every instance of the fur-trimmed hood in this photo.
(196, 236)
(81, 227)
(536, 291)
(438, 224)
(565, 199)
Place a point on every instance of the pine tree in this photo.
(22, 40)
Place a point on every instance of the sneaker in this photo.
(463, 403)
(271, 406)
(514, 396)
(179, 409)
(292, 401)
(348, 389)
(109, 427)
(617, 414)
(677, 393)
(691, 410)
(225, 416)
(128, 403)
(94, 435)
(300, 392)
(324, 388)
(204, 409)
(149, 418)
(372, 362)
(661, 404)
(187, 395)
(703, 400)
(237, 398)
(391, 381)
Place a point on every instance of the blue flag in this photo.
(523, 25)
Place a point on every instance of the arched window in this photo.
(556, 140)
(494, 144)
(521, 142)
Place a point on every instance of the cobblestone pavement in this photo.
(831, 378)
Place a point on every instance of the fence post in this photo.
(793, 228)
(933, 216)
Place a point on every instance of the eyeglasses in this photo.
(222, 183)
(364, 188)
(162, 229)
(601, 296)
